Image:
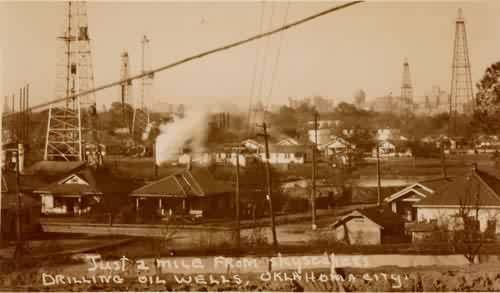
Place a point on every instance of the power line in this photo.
(264, 61)
(198, 56)
(257, 56)
(276, 63)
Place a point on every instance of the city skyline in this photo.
(331, 56)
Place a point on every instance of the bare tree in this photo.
(467, 235)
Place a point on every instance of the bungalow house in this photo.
(192, 191)
(280, 154)
(476, 191)
(72, 189)
(336, 145)
(29, 208)
(392, 148)
(370, 226)
(402, 202)
(436, 140)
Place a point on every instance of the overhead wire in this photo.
(197, 56)
(257, 56)
(276, 64)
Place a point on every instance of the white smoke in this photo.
(174, 135)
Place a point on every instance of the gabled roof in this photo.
(79, 183)
(350, 216)
(417, 188)
(288, 141)
(381, 216)
(185, 183)
(475, 188)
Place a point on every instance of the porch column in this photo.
(183, 203)
(136, 204)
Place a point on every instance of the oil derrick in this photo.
(141, 110)
(406, 100)
(71, 124)
(461, 98)
(126, 92)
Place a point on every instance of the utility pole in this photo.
(379, 195)
(443, 163)
(18, 252)
(237, 200)
(313, 195)
(269, 188)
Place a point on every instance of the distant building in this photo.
(323, 135)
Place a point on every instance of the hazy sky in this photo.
(360, 47)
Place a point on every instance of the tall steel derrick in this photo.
(71, 125)
(406, 99)
(142, 107)
(461, 98)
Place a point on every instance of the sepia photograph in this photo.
(250, 145)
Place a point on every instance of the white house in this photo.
(474, 191)
(402, 202)
(336, 145)
(390, 148)
(323, 135)
(280, 154)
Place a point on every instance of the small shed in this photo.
(369, 226)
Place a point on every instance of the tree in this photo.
(487, 112)
(467, 235)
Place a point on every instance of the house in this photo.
(475, 191)
(288, 141)
(254, 144)
(29, 209)
(221, 154)
(281, 154)
(370, 226)
(191, 191)
(436, 140)
(402, 202)
(392, 148)
(72, 189)
(487, 144)
(336, 145)
(322, 135)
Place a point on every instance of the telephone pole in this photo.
(443, 163)
(379, 195)
(237, 200)
(313, 195)
(269, 188)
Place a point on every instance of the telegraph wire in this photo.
(276, 63)
(257, 57)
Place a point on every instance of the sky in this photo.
(361, 47)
